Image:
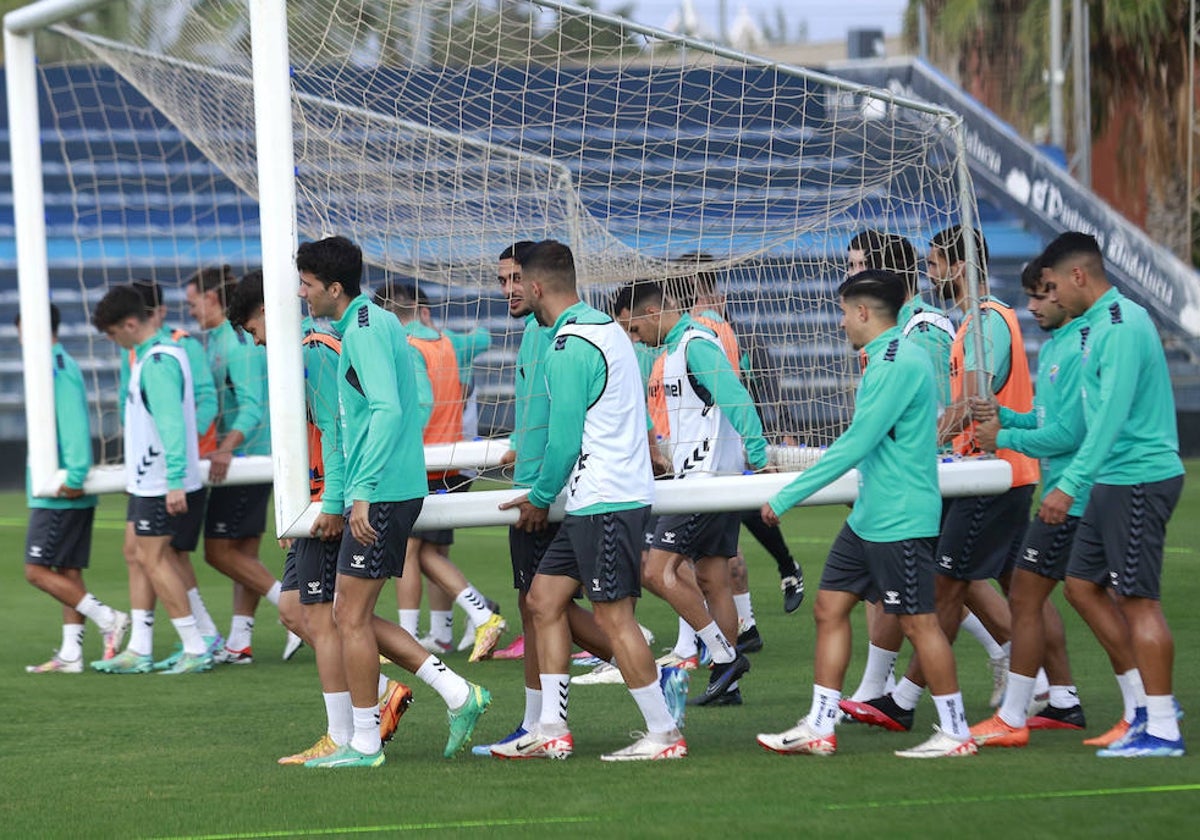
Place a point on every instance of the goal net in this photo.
(438, 133)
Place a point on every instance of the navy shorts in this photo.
(527, 550)
(60, 538)
(1121, 535)
(237, 511)
(602, 551)
(384, 558)
(898, 574)
(150, 518)
(310, 569)
(981, 535)
(1047, 548)
(698, 535)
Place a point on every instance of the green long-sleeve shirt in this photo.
(380, 412)
(321, 393)
(73, 431)
(531, 403)
(932, 339)
(892, 440)
(239, 370)
(467, 346)
(997, 347)
(1055, 427)
(1128, 404)
(203, 389)
(707, 362)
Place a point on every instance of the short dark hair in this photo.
(621, 299)
(150, 291)
(246, 299)
(219, 279)
(334, 259)
(554, 261)
(55, 319)
(886, 288)
(646, 293)
(517, 250)
(118, 304)
(953, 244)
(1072, 244)
(405, 293)
(869, 241)
(1031, 275)
(890, 252)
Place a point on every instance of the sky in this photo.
(828, 20)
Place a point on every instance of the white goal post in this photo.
(275, 98)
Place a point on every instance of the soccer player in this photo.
(237, 514)
(1130, 458)
(1052, 432)
(886, 546)
(980, 535)
(187, 534)
(309, 575)
(440, 383)
(162, 462)
(384, 487)
(714, 430)
(596, 448)
(58, 543)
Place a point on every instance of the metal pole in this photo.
(1058, 131)
(1081, 92)
(277, 200)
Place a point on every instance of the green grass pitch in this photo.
(145, 756)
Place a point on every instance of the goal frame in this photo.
(288, 464)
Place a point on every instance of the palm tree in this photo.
(1139, 63)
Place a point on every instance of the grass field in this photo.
(146, 756)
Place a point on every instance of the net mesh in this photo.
(436, 134)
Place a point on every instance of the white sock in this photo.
(556, 691)
(1042, 686)
(745, 610)
(382, 688)
(193, 642)
(880, 664)
(452, 688)
(241, 630)
(907, 694)
(1064, 696)
(533, 708)
(975, 627)
(366, 730)
(72, 642)
(1161, 721)
(1133, 693)
(1015, 707)
(273, 593)
(441, 625)
(141, 632)
(718, 645)
(823, 714)
(653, 705)
(340, 716)
(204, 621)
(474, 605)
(685, 643)
(951, 716)
(99, 612)
(409, 621)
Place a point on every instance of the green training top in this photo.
(203, 389)
(707, 362)
(321, 395)
(73, 431)
(646, 357)
(239, 370)
(380, 413)
(1127, 401)
(467, 346)
(424, 383)
(892, 440)
(531, 403)
(1053, 430)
